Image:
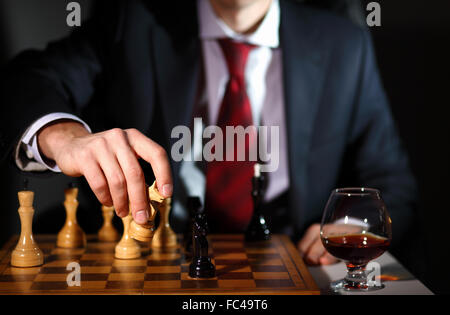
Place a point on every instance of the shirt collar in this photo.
(212, 27)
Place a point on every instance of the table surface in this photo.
(270, 267)
(396, 278)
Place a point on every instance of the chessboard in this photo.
(268, 267)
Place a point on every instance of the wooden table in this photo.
(272, 267)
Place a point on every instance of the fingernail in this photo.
(122, 214)
(141, 217)
(167, 190)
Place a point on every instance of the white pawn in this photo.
(27, 252)
(164, 236)
(127, 248)
(107, 232)
(71, 235)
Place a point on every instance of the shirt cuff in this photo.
(28, 157)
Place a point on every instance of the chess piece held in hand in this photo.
(71, 235)
(107, 232)
(164, 236)
(201, 265)
(144, 233)
(27, 252)
(257, 229)
(127, 248)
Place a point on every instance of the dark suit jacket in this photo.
(138, 65)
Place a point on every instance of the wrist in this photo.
(56, 135)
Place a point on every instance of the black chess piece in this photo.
(201, 265)
(194, 206)
(257, 229)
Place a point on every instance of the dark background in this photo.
(413, 57)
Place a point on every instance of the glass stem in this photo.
(356, 277)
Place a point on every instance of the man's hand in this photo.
(312, 249)
(109, 162)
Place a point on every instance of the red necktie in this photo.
(229, 183)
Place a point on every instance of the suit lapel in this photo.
(303, 75)
(177, 63)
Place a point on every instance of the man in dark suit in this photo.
(95, 103)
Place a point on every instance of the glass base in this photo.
(356, 280)
(344, 285)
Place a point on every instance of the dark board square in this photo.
(99, 250)
(164, 262)
(259, 245)
(53, 270)
(94, 276)
(128, 269)
(125, 285)
(162, 276)
(17, 278)
(235, 262)
(227, 238)
(268, 268)
(229, 268)
(225, 250)
(234, 275)
(271, 283)
(45, 239)
(49, 285)
(263, 256)
(199, 284)
(47, 251)
(56, 257)
(169, 250)
(96, 263)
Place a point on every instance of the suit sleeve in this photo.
(59, 79)
(376, 154)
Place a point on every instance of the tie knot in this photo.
(236, 54)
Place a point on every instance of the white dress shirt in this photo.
(264, 87)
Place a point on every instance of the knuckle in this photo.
(120, 210)
(103, 198)
(99, 142)
(117, 181)
(313, 229)
(85, 155)
(159, 152)
(135, 172)
(122, 205)
(133, 131)
(101, 188)
(137, 205)
(116, 132)
(301, 245)
(316, 252)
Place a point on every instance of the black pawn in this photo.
(201, 265)
(257, 229)
(25, 184)
(194, 206)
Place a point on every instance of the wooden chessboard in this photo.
(272, 267)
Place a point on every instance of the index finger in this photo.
(154, 154)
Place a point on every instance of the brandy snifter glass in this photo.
(355, 228)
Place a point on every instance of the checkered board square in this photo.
(270, 267)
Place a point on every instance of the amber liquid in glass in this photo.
(356, 249)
